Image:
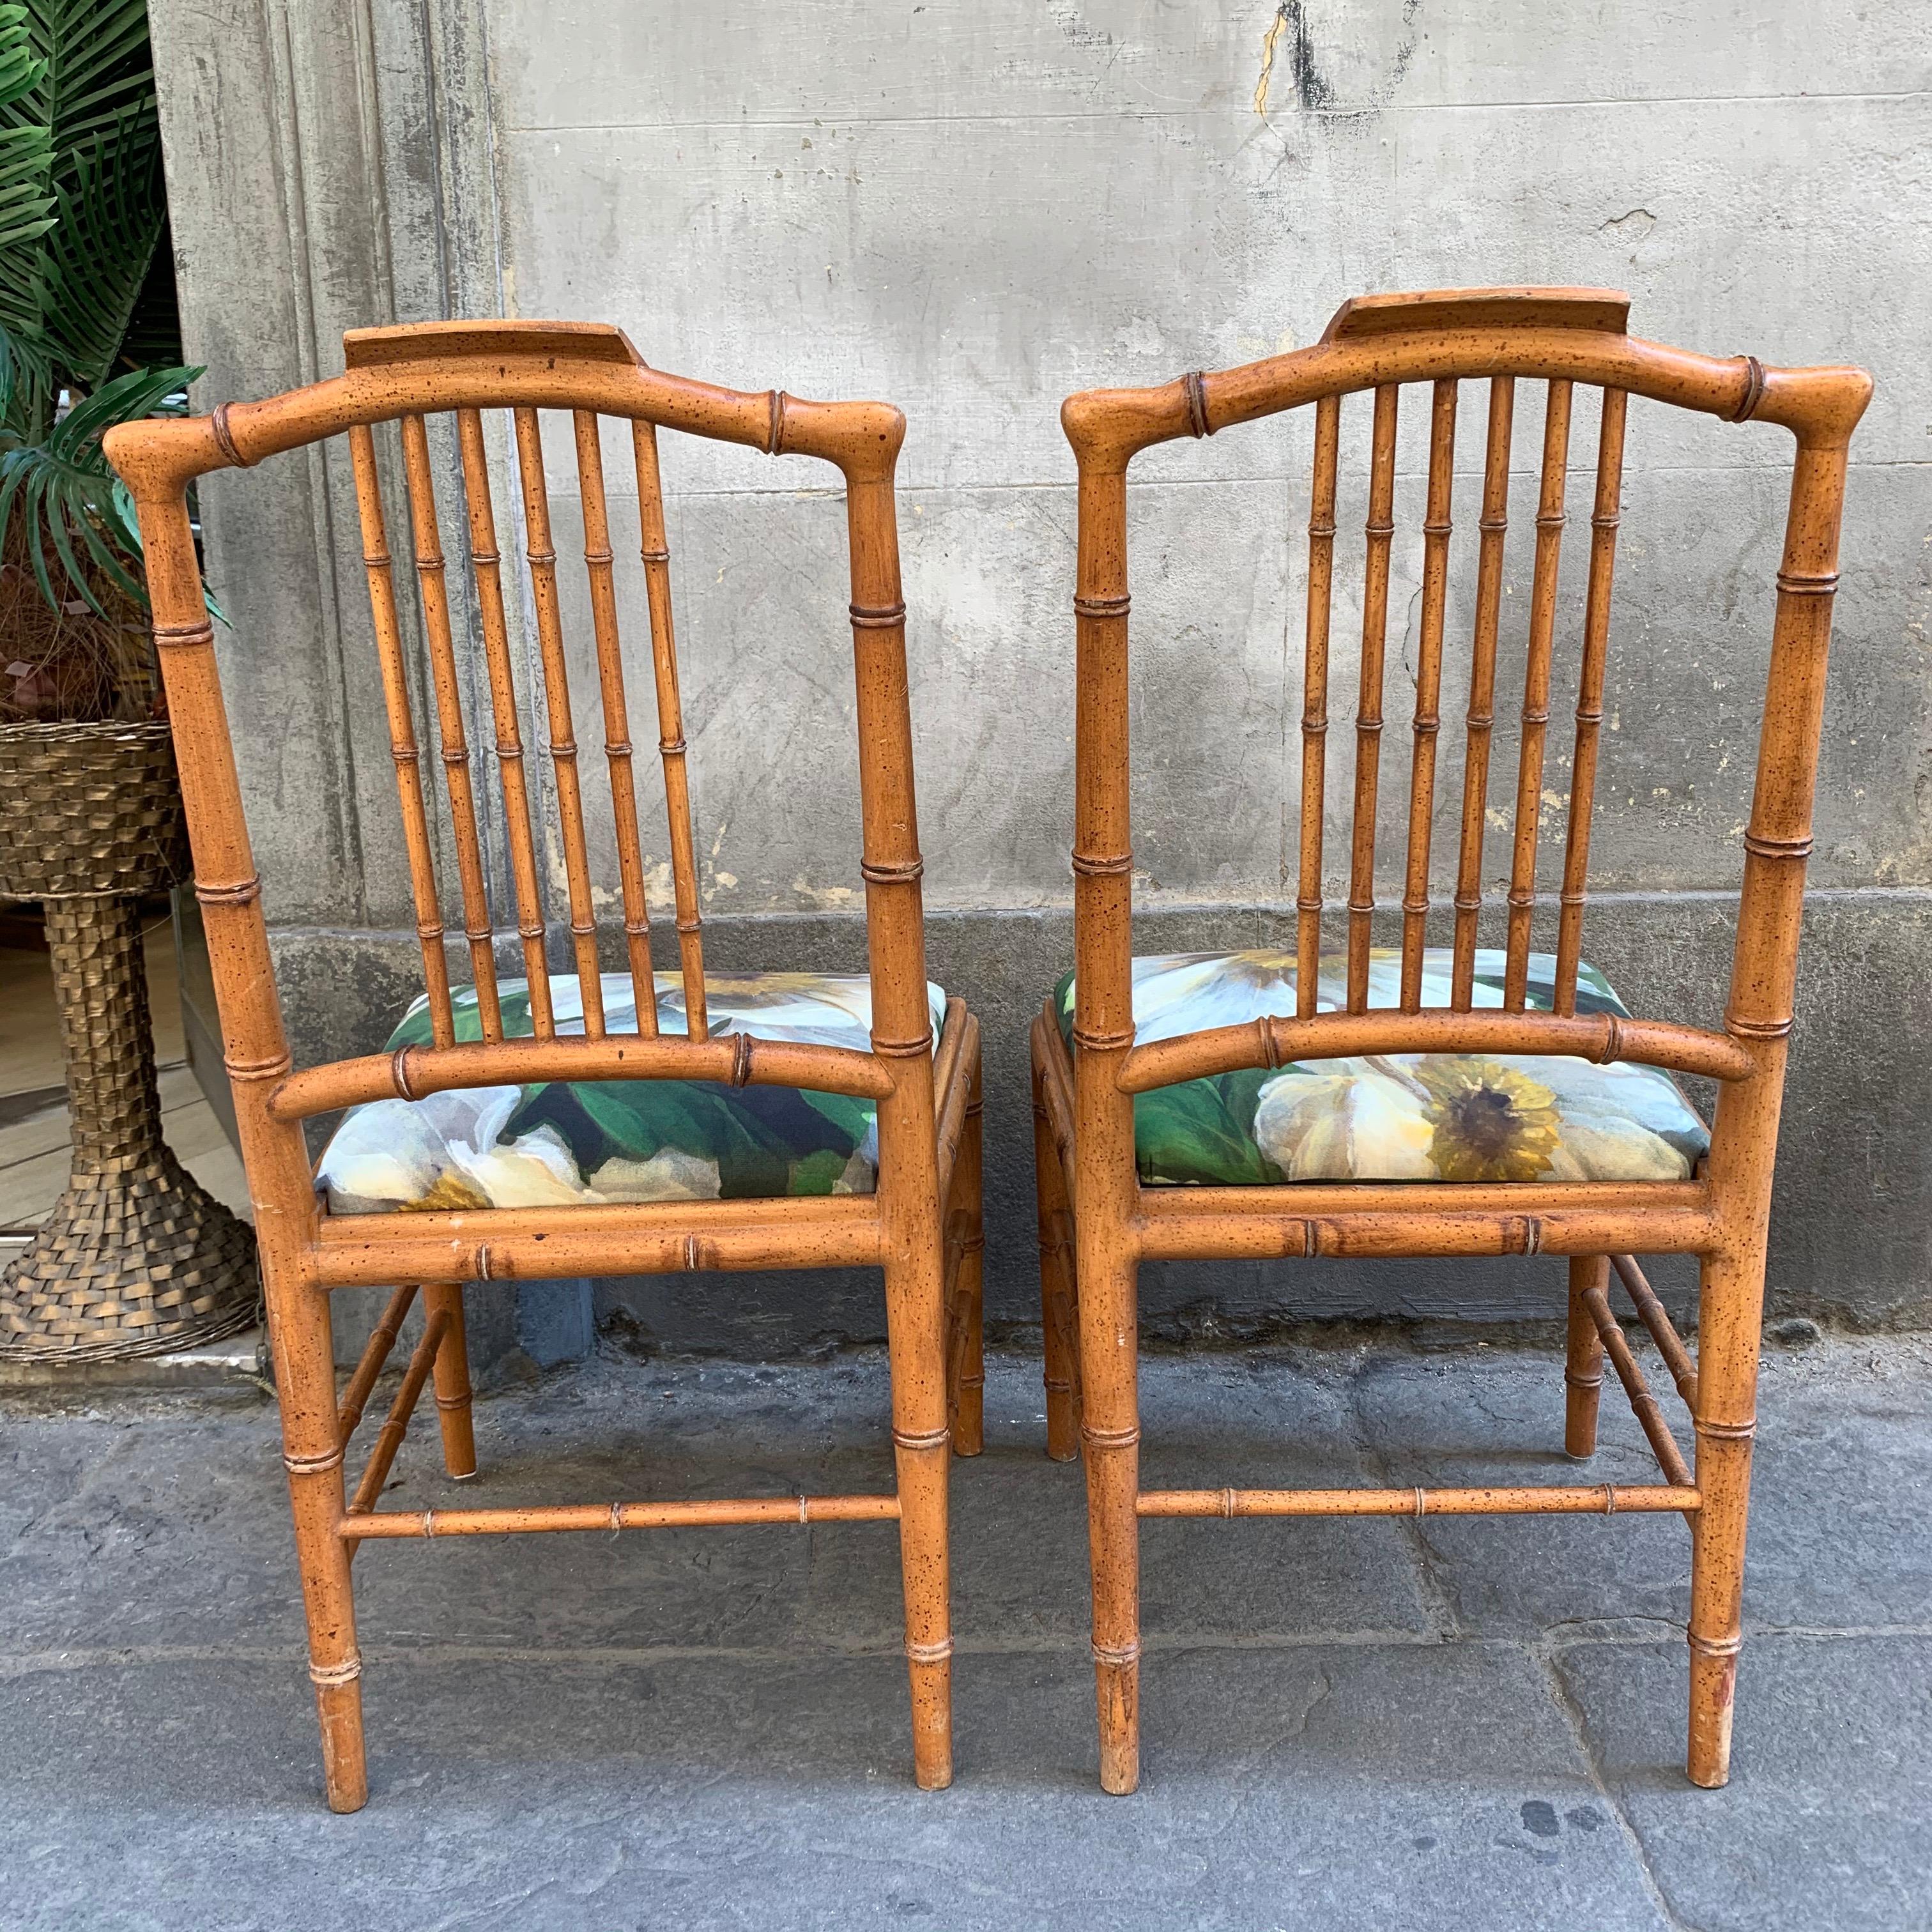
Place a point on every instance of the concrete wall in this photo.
(973, 210)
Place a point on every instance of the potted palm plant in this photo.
(137, 1258)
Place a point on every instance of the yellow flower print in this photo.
(1492, 1122)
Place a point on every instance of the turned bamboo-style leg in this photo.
(1110, 1435)
(969, 1396)
(300, 1335)
(452, 1380)
(921, 1450)
(1056, 1318)
(1730, 1306)
(1583, 1364)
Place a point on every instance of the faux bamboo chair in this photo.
(1521, 1164)
(921, 1225)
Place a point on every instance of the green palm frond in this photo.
(113, 205)
(83, 204)
(85, 287)
(26, 178)
(97, 63)
(68, 498)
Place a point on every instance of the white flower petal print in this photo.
(1605, 1145)
(1346, 1123)
(383, 1154)
(535, 1170)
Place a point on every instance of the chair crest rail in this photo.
(1820, 405)
(1276, 1041)
(591, 367)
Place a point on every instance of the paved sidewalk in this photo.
(1373, 1724)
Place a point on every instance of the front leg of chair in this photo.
(1730, 1306)
(452, 1380)
(915, 1327)
(1583, 1363)
(1110, 1435)
(300, 1337)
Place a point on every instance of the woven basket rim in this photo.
(45, 731)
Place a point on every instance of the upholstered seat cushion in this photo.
(1396, 1117)
(627, 1140)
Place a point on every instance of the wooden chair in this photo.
(921, 1224)
(1516, 1171)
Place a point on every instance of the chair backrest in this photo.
(1561, 338)
(405, 375)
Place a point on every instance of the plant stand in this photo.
(137, 1258)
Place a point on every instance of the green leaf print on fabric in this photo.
(631, 1140)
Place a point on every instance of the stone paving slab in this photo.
(1827, 1820)
(1377, 1724)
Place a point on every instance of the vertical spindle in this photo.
(486, 568)
(541, 553)
(1550, 519)
(1435, 529)
(597, 560)
(656, 550)
(402, 747)
(1315, 704)
(450, 729)
(1603, 520)
(1494, 525)
(1379, 530)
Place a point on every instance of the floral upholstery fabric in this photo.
(1392, 1117)
(553, 1143)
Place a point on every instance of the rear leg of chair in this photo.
(1583, 1363)
(1110, 1436)
(1058, 1322)
(967, 1364)
(922, 1454)
(301, 1338)
(452, 1379)
(1730, 1306)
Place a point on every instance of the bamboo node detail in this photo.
(1103, 607)
(174, 636)
(876, 617)
(272, 1068)
(1754, 393)
(329, 1676)
(1735, 1023)
(1715, 1646)
(225, 437)
(1195, 384)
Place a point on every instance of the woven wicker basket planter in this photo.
(137, 1258)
